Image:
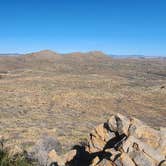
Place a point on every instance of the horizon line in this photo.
(69, 52)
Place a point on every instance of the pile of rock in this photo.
(123, 141)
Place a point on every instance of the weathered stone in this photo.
(144, 133)
(95, 161)
(91, 148)
(103, 133)
(134, 124)
(126, 160)
(118, 162)
(141, 159)
(112, 123)
(123, 124)
(114, 153)
(97, 144)
(119, 123)
(53, 157)
(134, 142)
(99, 137)
(128, 146)
(69, 156)
(105, 162)
(162, 142)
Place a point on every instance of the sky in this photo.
(113, 26)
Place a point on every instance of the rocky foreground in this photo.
(121, 141)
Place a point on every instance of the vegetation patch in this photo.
(19, 160)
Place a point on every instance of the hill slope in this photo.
(56, 94)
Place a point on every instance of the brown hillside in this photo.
(56, 94)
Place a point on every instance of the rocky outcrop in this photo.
(127, 142)
(121, 141)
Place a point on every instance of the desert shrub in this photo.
(20, 160)
(43, 146)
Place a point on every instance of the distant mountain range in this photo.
(50, 53)
(136, 56)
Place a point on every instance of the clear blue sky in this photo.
(113, 26)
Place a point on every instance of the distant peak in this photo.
(97, 53)
(46, 52)
(90, 54)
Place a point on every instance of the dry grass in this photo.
(66, 98)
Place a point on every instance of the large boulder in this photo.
(99, 137)
(61, 160)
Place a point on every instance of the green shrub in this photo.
(5, 160)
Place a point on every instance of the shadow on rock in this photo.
(84, 158)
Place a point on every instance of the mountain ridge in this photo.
(94, 53)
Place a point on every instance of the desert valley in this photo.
(66, 95)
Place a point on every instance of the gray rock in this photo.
(123, 124)
(128, 146)
(141, 159)
(162, 142)
(112, 123)
(119, 123)
(126, 160)
(118, 162)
